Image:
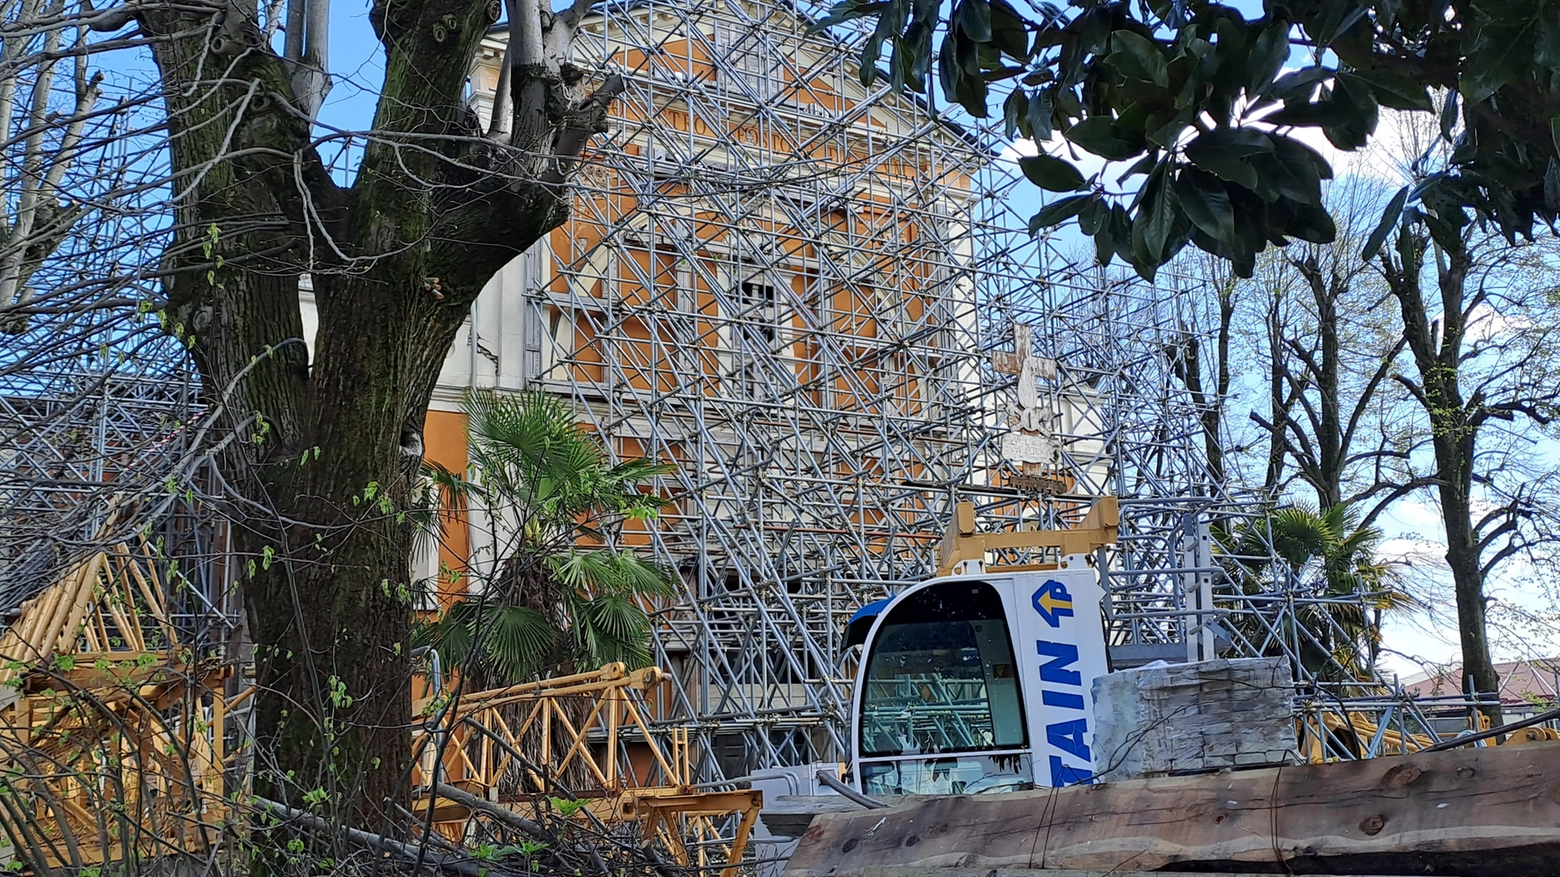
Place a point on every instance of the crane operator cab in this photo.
(979, 682)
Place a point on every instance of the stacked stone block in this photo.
(1165, 719)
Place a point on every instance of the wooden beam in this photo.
(1479, 812)
(962, 542)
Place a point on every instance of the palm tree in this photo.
(1328, 556)
(559, 595)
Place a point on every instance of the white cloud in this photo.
(1487, 324)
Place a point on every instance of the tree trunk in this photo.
(327, 451)
(1453, 435)
(334, 607)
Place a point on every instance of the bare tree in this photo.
(1477, 317)
(1306, 340)
(192, 180)
(1330, 349)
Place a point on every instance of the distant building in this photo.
(1526, 687)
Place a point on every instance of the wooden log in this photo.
(790, 815)
(1050, 873)
(1469, 812)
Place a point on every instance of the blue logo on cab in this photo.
(1052, 602)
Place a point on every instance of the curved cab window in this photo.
(941, 677)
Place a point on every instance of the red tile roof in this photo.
(1520, 681)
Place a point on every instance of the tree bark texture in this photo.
(330, 448)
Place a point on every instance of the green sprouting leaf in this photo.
(1051, 173)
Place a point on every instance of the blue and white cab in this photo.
(979, 683)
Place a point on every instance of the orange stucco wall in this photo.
(444, 443)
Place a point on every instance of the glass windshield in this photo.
(941, 677)
(952, 775)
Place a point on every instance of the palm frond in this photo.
(553, 483)
(520, 642)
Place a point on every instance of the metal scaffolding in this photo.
(105, 447)
(793, 285)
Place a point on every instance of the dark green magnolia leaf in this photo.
(1268, 54)
(1396, 90)
(849, 10)
(1165, 128)
(1039, 116)
(1141, 166)
(1156, 211)
(1104, 245)
(1093, 218)
(960, 74)
(1449, 116)
(974, 16)
(1014, 110)
(1443, 232)
(1203, 199)
(912, 60)
(1288, 176)
(1008, 31)
(1505, 35)
(1223, 75)
(1097, 134)
(1308, 222)
(1225, 152)
(1139, 57)
(1051, 173)
(1093, 30)
(1328, 111)
(1293, 152)
(1298, 85)
(1389, 220)
(1354, 132)
(1546, 48)
(1142, 259)
(1552, 185)
(1058, 211)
